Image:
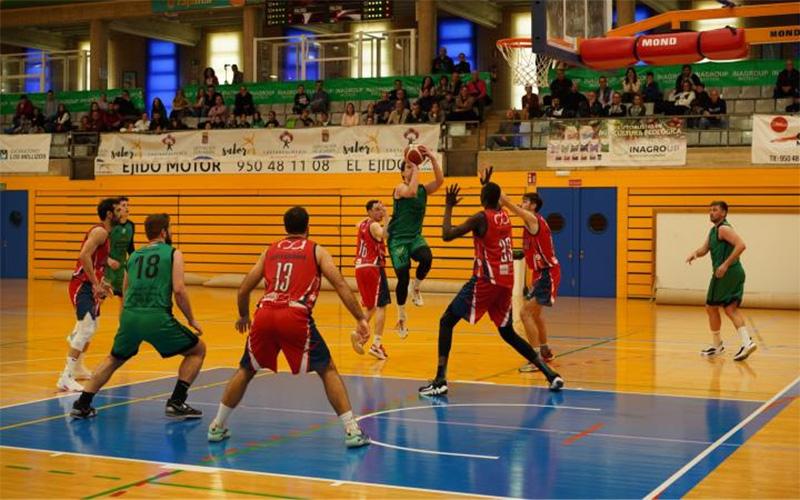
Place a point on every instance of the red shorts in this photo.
(479, 296)
(83, 300)
(288, 329)
(373, 286)
(544, 288)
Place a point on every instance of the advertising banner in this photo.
(25, 153)
(776, 140)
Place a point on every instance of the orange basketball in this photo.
(413, 155)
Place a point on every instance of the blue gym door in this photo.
(14, 234)
(584, 225)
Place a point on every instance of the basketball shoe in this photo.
(378, 351)
(178, 410)
(356, 439)
(745, 351)
(434, 388)
(66, 382)
(713, 350)
(217, 434)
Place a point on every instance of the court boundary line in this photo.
(719, 442)
(209, 470)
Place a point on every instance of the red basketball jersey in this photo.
(494, 256)
(539, 250)
(369, 251)
(99, 259)
(291, 274)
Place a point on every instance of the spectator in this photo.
(38, 122)
(426, 99)
(555, 110)
(575, 101)
(211, 96)
(398, 86)
(603, 92)
(241, 121)
(103, 102)
(209, 77)
(350, 118)
(301, 100)
(637, 108)
(442, 88)
(218, 109)
(369, 112)
(320, 101)
(304, 120)
(401, 96)
(370, 120)
(158, 107)
(24, 110)
(682, 101)
(701, 100)
(96, 123)
(323, 120)
(464, 107)
(416, 115)
(788, 83)
(238, 76)
(111, 118)
(594, 107)
(125, 107)
(230, 122)
(617, 108)
(243, 103)
(528, 96)
(435, 115)
(454, 87)
(398, 114)
(127, 127)
(258, 121)
(505, 133)
(686, 74)
(427, 83)
(63, 121)
(477, 89)
(200, 107)
(630, 85)
(794, 107)
(158, 122)
(50, 106)
(180, 105)
(463, 65)
(714, 111)
(141, 125)
(531, 107)
(176, 123)
(85, 125)
(448, 104)
(442, 63)
(383, 107)
(651, 92)
(561, 86)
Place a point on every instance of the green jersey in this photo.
(407, 216)
(121, 245)
(730, 288)
(720, 249)
(150, 278)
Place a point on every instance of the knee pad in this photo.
(83, 333)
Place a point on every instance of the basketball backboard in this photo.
(559, 24)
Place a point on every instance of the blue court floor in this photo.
(487, 439)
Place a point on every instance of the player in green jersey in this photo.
(406, 242)
(121, 243)
(726, 289)
(154, 274)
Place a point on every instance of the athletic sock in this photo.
(377, 340)
(744, 335)
(349, 422)
(72, 363)
(716, 338)
(417, 283)
(180, 392)
(223, 412)
(85, 399)
(401, 312)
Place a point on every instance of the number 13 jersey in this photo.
(494, 258)
(291, 274)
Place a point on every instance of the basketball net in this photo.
(527, 67)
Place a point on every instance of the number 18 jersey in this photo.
(291, 274)
(150, 278)
(494, 257)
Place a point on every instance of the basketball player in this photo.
(291, 271)
(87, 290)
(154, 274)
(370, 272)
(121, 246)
(489, 289)
(726, 289)
(406, 242)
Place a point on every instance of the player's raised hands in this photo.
(451, 198)
(486, 175)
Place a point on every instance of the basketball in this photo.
(414, 155)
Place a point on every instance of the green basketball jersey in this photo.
(150, 278)
(407, 215)
(120, 240)
(720, 249)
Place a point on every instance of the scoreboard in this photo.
(287, 12)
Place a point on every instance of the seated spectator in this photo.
(561, 86)
(575, 101)
(462, 66)
(258, 121)
(448, 104)
(477, 89)
(50, 106)
(127, 127)
(531, 107)
(617, 108)
(157, 107)
(701, 98)
(158, 122)
(603, 92)
(556, 110)
(304, 120)
(369, 120)
(637, 108)
(24, 110)
(38, 121)
(199, 108)
(398, 86)
(416, 115)
(230, 122)
(320, 101)
(369, 112)
(211, 96)
(241, 121)
(63, 121)
(323, 120)
(505, 133)
(350, 118)
(238, 76)
(442, 63)
(651, 92)
(96, 122)
(243, 103)
(103, 102)
(383, 107)
(630, 85)
(209, 77)
(216, 122)
(176, 123)
(594, 108)
(686, 75)
(180, 105)
(788, 83)
(272, 120)
(427, 83)
(454, 87)
(682, 101)
(426, 99)
(219, 109)
(125, 106)
(86, 125)
(435, 115)
(301, 100)
(399, 114)
(142, 124)
(714, 111)
(794, 107)
(112, 119)
(464, 108)
(442, 87)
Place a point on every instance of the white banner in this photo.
(376, 149)
(25, 153)
(776, 139)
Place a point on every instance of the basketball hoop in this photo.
(528, 67)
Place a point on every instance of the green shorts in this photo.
(156, 327)
(727, 290)
(400, 250)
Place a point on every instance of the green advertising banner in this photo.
(75, 101)
(343, 89)
(160, 6)
(713, 74)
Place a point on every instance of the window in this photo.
(369, 52)
(162, 73)
(84, 78)
(33, 72)
(291, 64)
(224, 50)
(457, 35)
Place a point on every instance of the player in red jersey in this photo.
(489, 289)
(371, 273)
(291, 271)
(87, 289)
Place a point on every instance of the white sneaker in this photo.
(68, 383)
(81, 372)
(217, 434)
(527, 368)
(713, 350)
(355, 341)
(402, 328)
(378, 351)
(416, 297)
(745, 351)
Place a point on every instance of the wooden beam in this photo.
(181, 34)
(72, 14)
(35, 39)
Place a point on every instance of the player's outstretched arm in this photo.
(180, 292)
(698, 253)
(438, 180)
(409, 190)
(332, 274)
(97, 237)
(249, 282)
(475, 223)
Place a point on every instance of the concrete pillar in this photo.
(251, 21)
(625, 12)
(98, 41)
(426, 35)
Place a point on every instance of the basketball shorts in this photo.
(544, 289)
(727, 290)
(479, 296)
(83, 300)
(157, 327)
(373, 286)
(400, 250)
(288, 329)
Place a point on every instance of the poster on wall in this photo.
(776, 140)
(577, 143)
(25, 153)
(338, 150)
